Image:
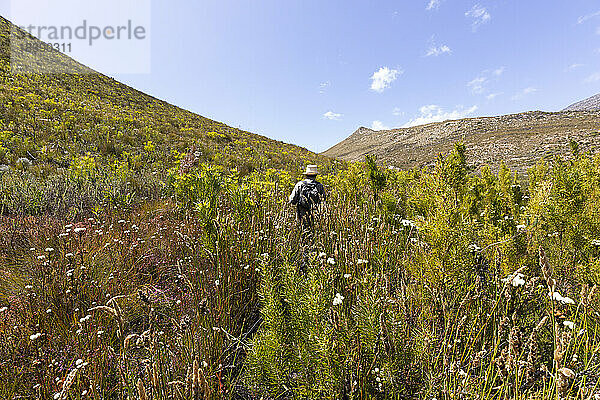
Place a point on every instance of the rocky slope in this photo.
(589, 104)
(519, 140)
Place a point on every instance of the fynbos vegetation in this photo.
(149, 253)
(421, 284)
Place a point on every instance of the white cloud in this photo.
(477, 85)
(397, 111)
(439, 50)
(434, 113)
(499, 71)
(379, 126)
(492, 96)
(584, 18)
(323, 86)
(383, 78)
(523, 93)
(480, 83)
(332, 116)
(433, 5)
(595, 77)
(479, 15)
(574, 66)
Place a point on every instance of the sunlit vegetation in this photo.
(438, 283)
(50, 121)
(149, 253)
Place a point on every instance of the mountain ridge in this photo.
(518, 140)
(592, 103)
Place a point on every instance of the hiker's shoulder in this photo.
(298, 185)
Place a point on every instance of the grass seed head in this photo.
(141, 390)
(64, 394)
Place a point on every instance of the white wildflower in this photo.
(330, 261)
(361, 261)
(79, 230)
(347, 276)
(35, 336)
(565, 300)
(474, 247)
(338, 299)
(49, 249)
(596, 242)
(521, 227)
(407, 223)
(569, 324)
(515, 279)
(3, 309)
(84, 319)
(322, 255)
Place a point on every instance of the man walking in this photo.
(307, 194)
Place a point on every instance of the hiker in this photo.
(307, 194)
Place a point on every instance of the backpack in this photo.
(309, 195)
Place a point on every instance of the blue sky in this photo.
(311, 72)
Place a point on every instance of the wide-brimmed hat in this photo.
(311, 170)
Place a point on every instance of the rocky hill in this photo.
(519, 140)
(589, 104)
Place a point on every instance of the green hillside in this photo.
(52, 118)
(51, 124)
